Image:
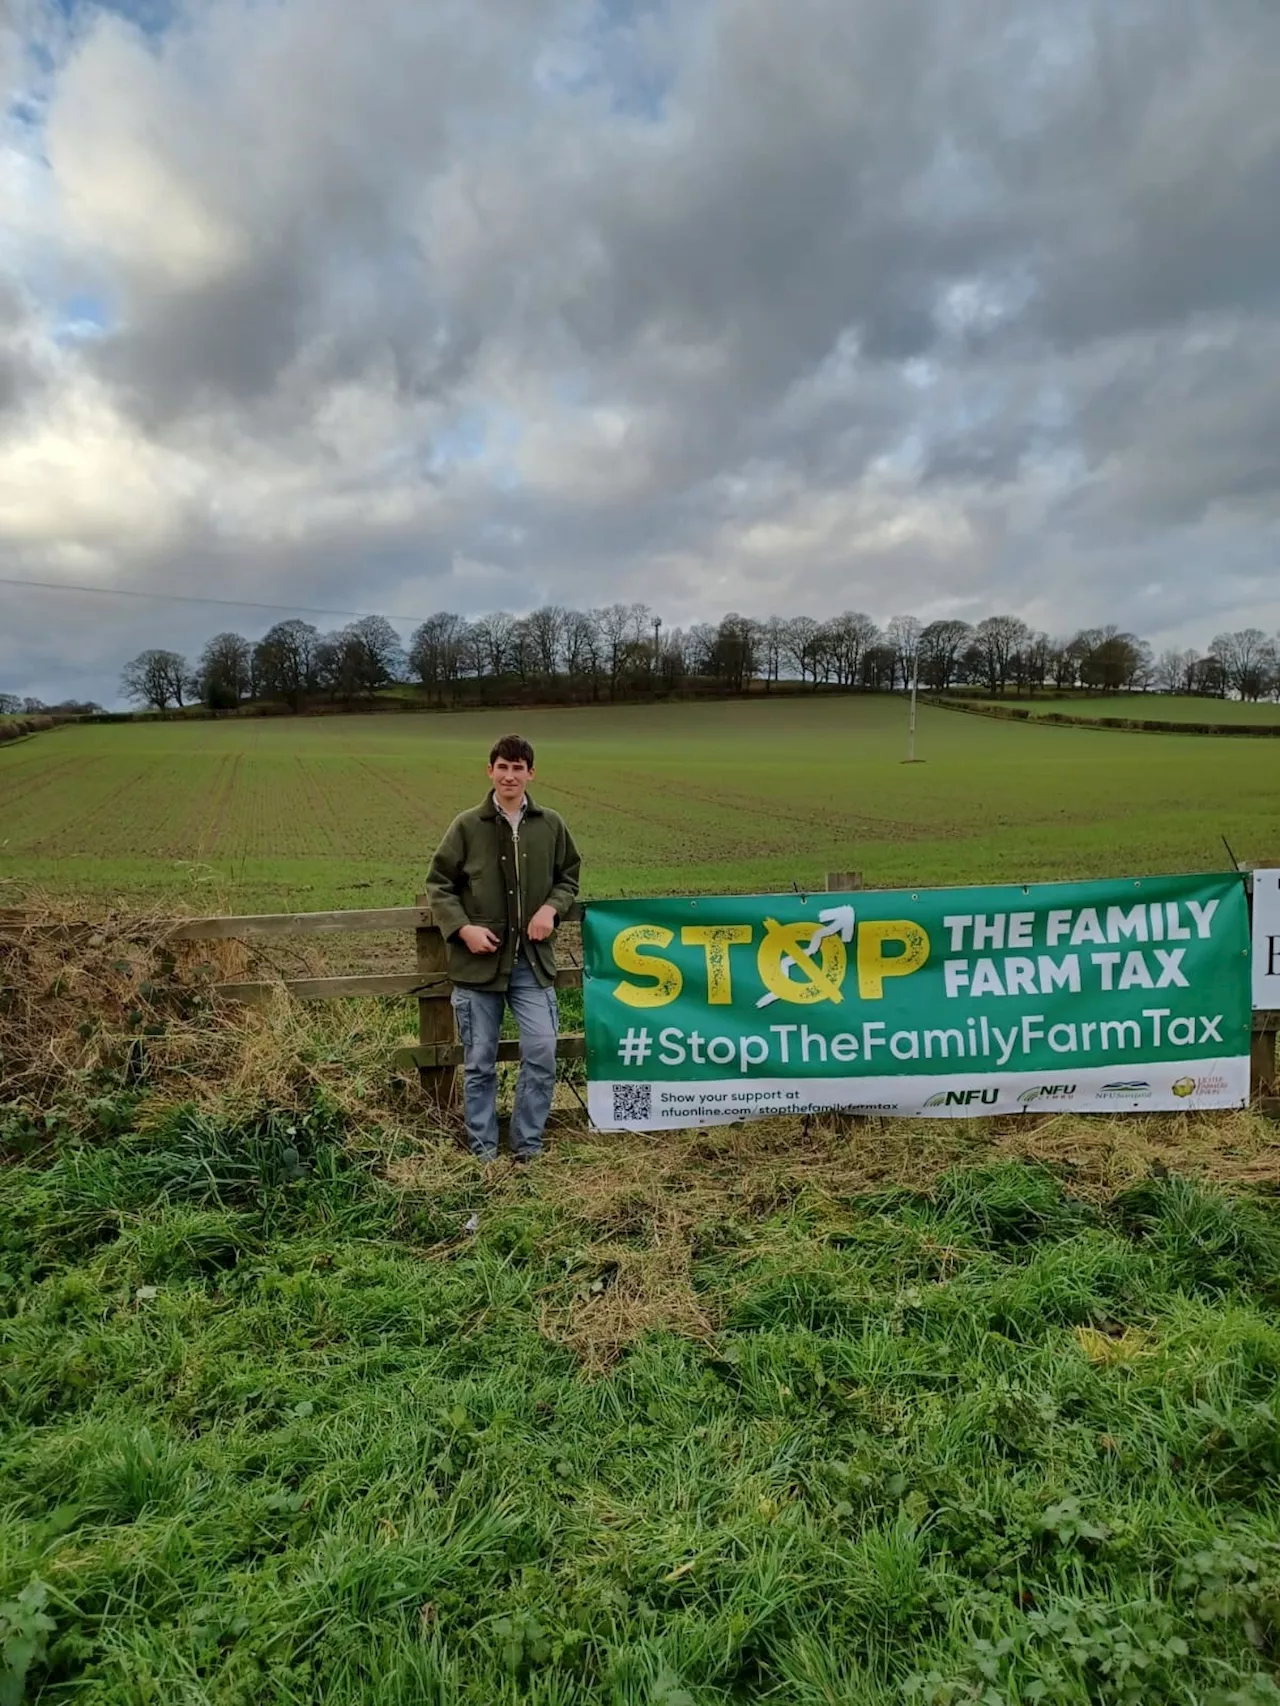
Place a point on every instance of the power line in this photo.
(193, 598)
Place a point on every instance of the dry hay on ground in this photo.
(88, 1005)
(641, 1207)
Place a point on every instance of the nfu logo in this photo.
(963, 1098)
(1047, 1093)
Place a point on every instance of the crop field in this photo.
(344, 811)
(1157, 707)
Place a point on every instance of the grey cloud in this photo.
(1022, 256)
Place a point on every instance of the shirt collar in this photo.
(498, 807)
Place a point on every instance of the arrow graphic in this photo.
(835, 921)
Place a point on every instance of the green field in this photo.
(1155, 707)
(707, 1422)
(345, 811)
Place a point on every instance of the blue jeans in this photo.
(479, 1016)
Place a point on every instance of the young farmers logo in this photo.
(1209, 1084)
(957, 1000)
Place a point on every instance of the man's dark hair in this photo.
(513, 748)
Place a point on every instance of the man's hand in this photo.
(542, 923)
(478, 938)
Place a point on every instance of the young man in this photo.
(502, 879)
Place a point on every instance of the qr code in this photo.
(632, 1101)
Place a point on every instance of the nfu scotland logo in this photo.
(963, 1098)
(1047, 1093)
(1126, 1089)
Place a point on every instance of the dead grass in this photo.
(91, 1005)
(640, 1208)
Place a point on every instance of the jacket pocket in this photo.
(543, 954)
(466, 967)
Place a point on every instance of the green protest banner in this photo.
(1097, 996)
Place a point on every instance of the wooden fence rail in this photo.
(438, 1053)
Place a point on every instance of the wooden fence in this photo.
(438, 1052)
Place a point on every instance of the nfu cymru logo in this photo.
(1047, 1093)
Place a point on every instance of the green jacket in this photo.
(474, 880)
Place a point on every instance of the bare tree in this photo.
(700, 648)
(10, 704)
(377, 657)
(879, 669)
(155, 678)
(844, 642)
(903, 634)
(335, 666)
(436, 653)
(284, 661)
(773, 642)
(1209, 678)
(1174, 671)
(583, 650)
(802, 645)
(941, 646)
(1248, 661)
(733, 654)
(545, 629)
(224, 672)
(1108, 659)
(673, 658)
(998, 640)
(492, 638)
(623, 646)
(522, 658)
(621, 628)
(1031, 663)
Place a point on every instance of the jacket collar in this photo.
(489, 809)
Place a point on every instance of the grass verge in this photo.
(287, 1416)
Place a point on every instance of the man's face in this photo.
(510, 778)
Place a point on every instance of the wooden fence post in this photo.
(1262, 1060)
(840, 882)
(1263, 1078)
(435, 1013)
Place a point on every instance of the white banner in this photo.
(1266, 940)
(1174, 1086)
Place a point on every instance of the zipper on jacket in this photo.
(515, 847)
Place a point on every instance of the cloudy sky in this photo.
(944, 307)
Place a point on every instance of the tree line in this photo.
(20, 705)
(625, 650)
